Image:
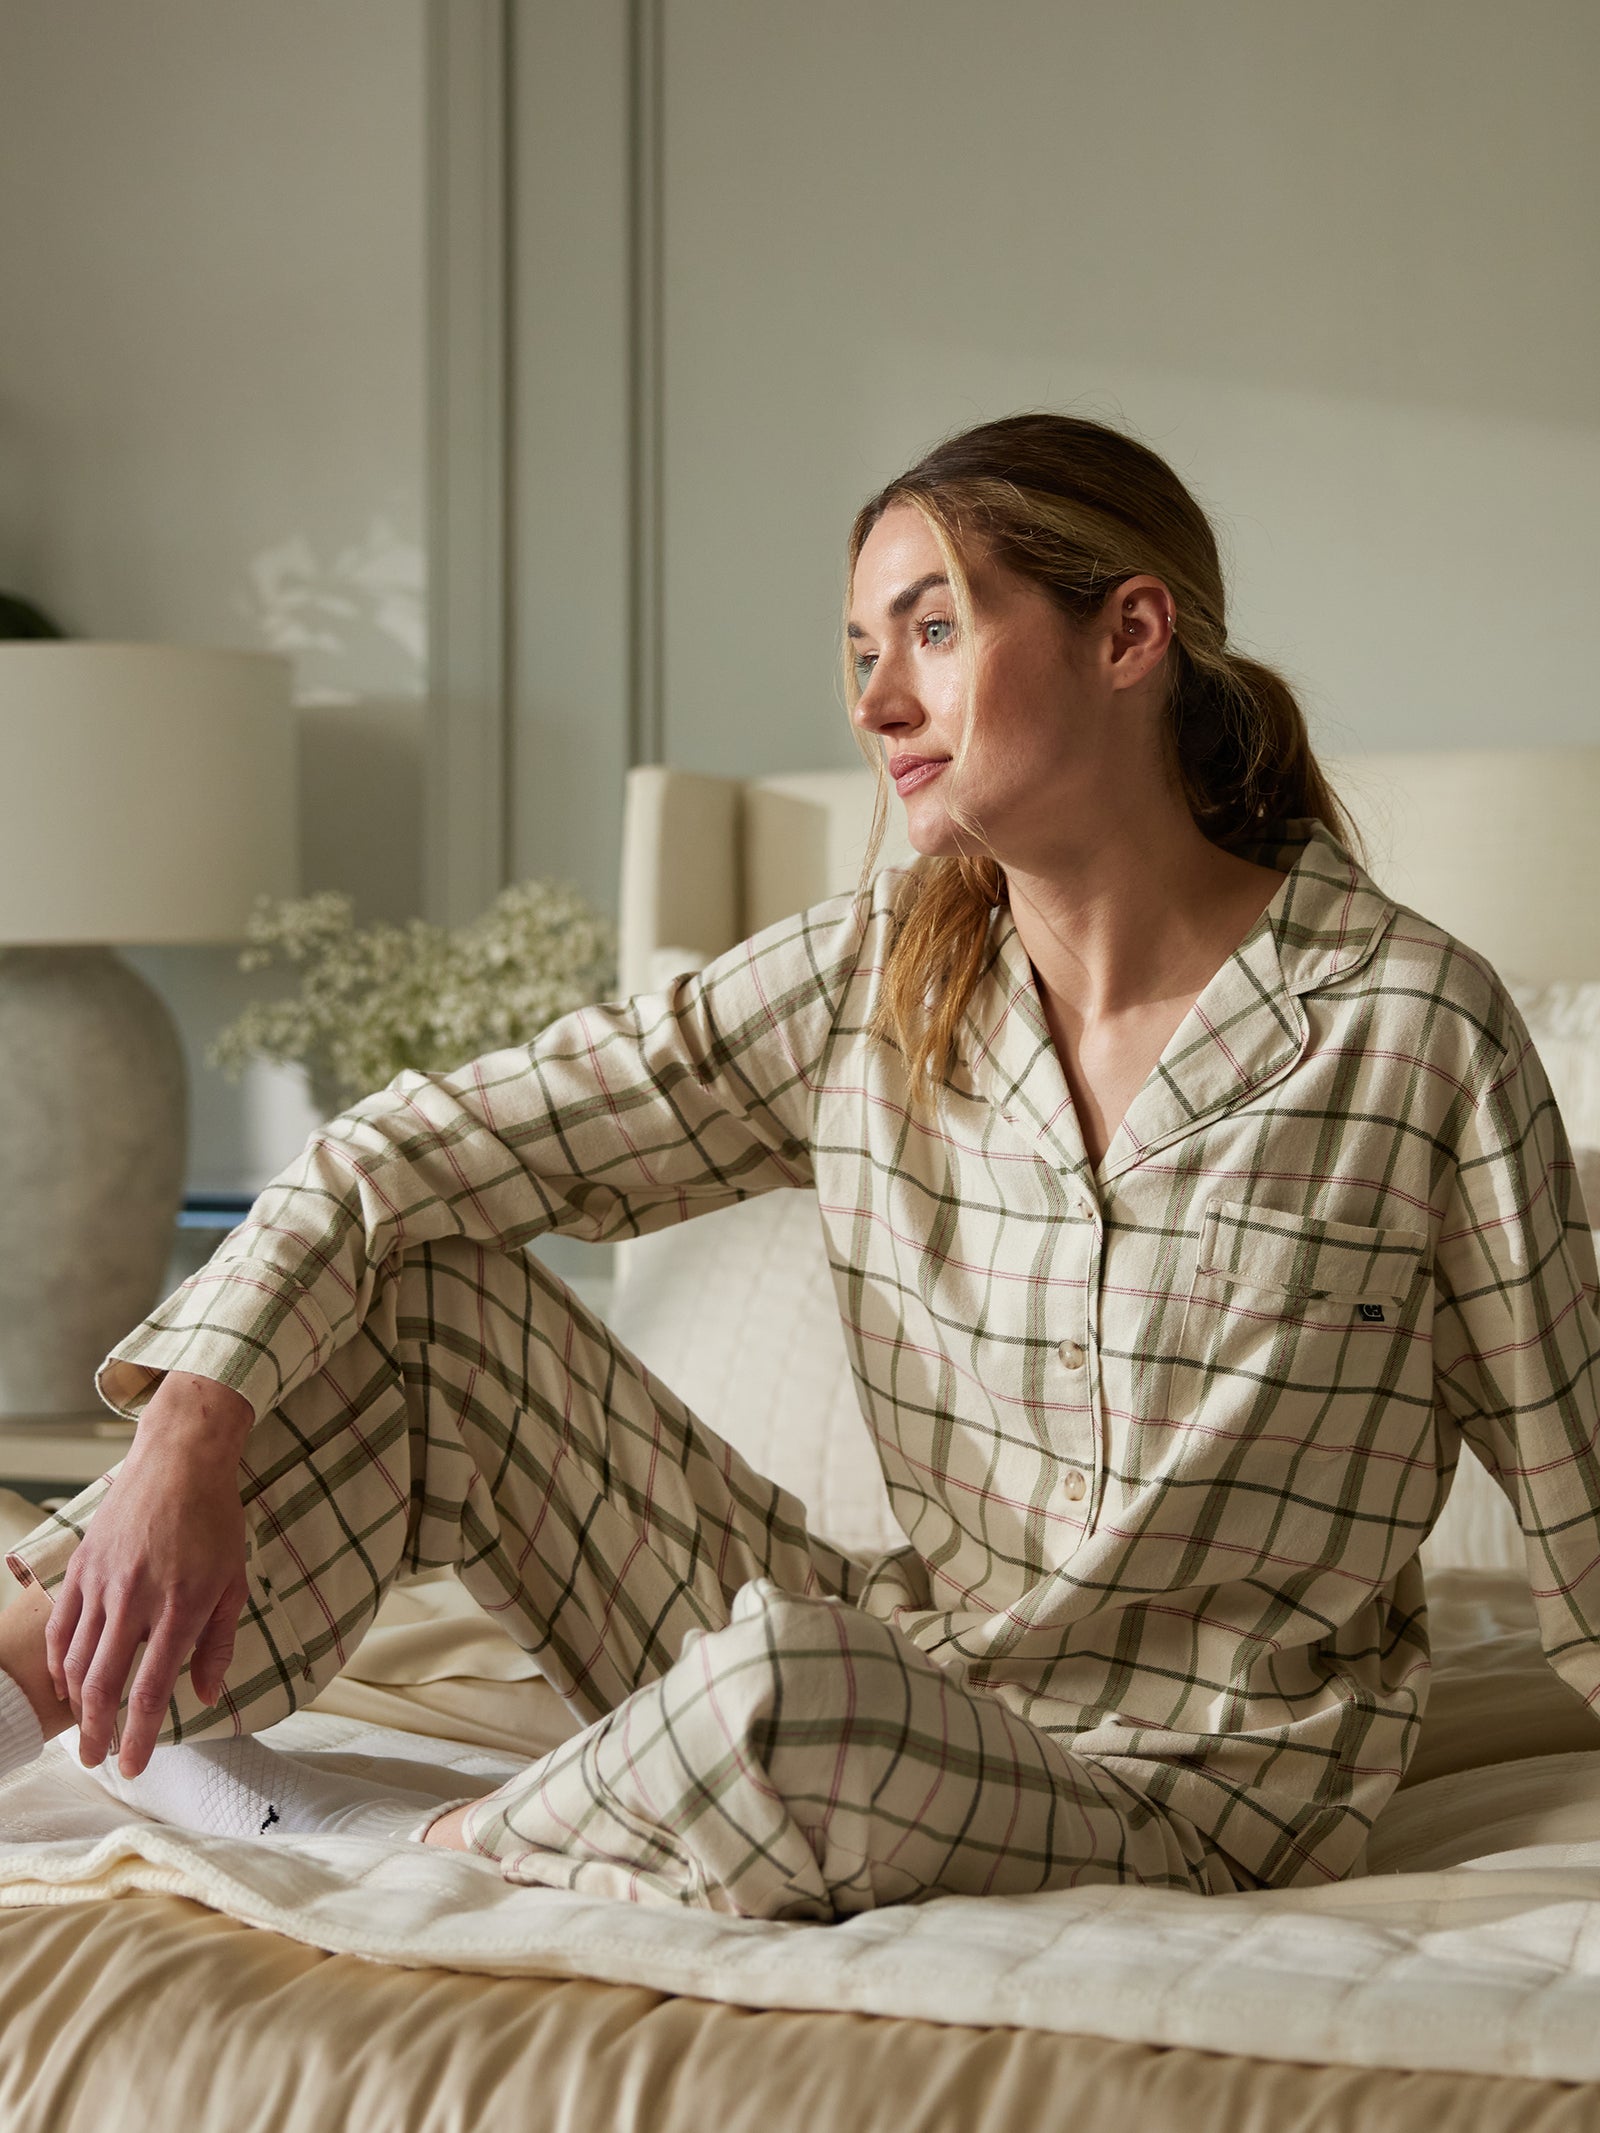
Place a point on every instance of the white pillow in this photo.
(736, 1312)
(1477, 1529)
(1564, 1022)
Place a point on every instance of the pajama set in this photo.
(1164, 1435)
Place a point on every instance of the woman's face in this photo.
(1061, 721)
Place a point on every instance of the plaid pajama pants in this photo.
(753, 1742)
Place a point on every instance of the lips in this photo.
(910, 771)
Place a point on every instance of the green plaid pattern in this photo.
(1165, 1437)
(754, 1743)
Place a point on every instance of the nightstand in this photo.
(49, 1456)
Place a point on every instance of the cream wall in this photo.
(212, 404)
(1337, 263)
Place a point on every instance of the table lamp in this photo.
(146, 796)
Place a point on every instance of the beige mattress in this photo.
(148, 2009)
(149, 2012)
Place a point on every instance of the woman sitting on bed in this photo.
(1188, 1203)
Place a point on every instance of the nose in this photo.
(888, 703)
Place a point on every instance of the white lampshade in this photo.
(146, 791)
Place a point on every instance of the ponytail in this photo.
(1244, 755)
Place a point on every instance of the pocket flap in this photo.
(1297, 1255)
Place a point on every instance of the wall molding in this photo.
(545, 411)
(466, 798)
(646, 340)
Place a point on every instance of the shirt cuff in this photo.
(190, 1331)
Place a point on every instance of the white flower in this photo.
(373, 1003)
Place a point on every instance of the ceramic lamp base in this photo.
(93, 1131)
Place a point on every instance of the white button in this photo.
(1074, 1487)
(1073, 1354)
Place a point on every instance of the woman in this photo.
(1188, 1204)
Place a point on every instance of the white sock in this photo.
(239, 1787)
(21, 1736)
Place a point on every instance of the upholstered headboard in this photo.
(1499, 846)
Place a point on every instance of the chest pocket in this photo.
(1288, 1304)
(1293, 1255)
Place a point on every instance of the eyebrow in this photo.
(904, 601)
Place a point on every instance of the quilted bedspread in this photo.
(1472, 1945)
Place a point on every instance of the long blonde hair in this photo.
(1075, 507)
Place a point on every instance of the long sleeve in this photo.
(617, 1119)
(1517, 1344)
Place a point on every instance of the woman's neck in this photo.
(1123, 942)
(1145, 913)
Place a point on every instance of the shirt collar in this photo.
(1330, 915)
(1246, 1029)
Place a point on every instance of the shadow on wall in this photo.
(353, 619)
(360, 792)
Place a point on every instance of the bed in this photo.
(148, 1978)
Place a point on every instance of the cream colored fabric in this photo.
(1163, 1454)
(431, 1629)
(1477, 1529)
(737, 1313)
(692, 843)
(434, 1664)
(1564, 1022)
(1494, 1698)
(1487, 1967)
(150, 2014)
(1475, 1968)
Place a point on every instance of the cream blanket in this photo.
(1472, 1944)
(1491, 1965)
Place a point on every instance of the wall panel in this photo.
(570, 441)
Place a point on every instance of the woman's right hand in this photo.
(161, 1563)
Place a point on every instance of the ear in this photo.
(1137, 619)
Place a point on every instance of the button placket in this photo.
(1073, 1354)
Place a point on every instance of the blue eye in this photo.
(937, 622)
(866, 661)
(863, 669)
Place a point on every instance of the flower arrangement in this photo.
(376, 1001)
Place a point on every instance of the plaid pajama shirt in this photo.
(1164, 1436)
